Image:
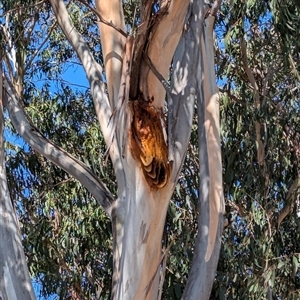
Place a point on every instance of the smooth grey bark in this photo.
(211, 208)
(94, 74)
(15, 282)
(181, 105)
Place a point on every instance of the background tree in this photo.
(260, 140)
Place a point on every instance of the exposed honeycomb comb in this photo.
(147, 132)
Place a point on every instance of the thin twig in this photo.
(158, 75)
(102, 20)
(41, 46)
(22, 7)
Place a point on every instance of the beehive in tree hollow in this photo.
(148, 142)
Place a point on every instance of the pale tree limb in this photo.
(10, 53)
(212, 128)
(292, 195)
(44, 146)
(181, 104)
(112, 44)
(15, 282)
(93, 71)
(102, 20)
(160, 49)
(54, 153)
(211, 199)
(121, 117)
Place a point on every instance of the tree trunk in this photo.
(147, 158)
(145, 186)
(138, 223)
(15, 282)
(211, 199)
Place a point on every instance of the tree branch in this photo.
(112, 45)
(10, 53)
(289, 202)
(92, 69)
(120, 117)
(102, 20)
(165, 35)
(260, 148)
(15, 280)
(211, 199)
(54, 153)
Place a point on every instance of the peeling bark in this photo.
(149, 143)
(145, 195)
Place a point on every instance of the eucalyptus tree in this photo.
(259, 67)
(146, 124)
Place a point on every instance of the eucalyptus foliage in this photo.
(67, 236)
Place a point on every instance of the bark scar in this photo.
(143, 233)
